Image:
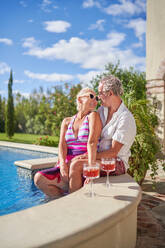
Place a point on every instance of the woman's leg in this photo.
(75, 174)
(46, 185)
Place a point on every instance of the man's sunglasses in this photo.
(92, 97)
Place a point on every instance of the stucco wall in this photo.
(155, 60)
(155, 39)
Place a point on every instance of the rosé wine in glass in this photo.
(108, 165)
(91, 172)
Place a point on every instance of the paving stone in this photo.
(160, 212)
(151, 214)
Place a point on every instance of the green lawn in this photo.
(26, 138)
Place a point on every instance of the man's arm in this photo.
(111, 152)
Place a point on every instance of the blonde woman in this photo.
(79, 135)
(119, 127)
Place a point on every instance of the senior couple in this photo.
(89, 136)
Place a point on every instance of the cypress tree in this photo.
(1, 116)
(9, 122)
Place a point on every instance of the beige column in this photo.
(155, 59)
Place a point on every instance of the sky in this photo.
(51, 42)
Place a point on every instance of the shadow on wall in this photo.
(161, 70)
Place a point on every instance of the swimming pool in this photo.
(18, 192)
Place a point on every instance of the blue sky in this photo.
(51, 42)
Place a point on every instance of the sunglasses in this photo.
(92, 97)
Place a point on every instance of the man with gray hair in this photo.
(119, 128)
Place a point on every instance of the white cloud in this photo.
(115, 38)
(25, 94)
(15, 81)
(81, 33)
(30, 20)
(2, 92)
(90, 54)
(55, 7)
(23, 4)
(6, 41)
(45, 5)
(19, 81)
(141, 4)
(48, 6)
(126, 7)
(98, 25)
(87, 77)
(139, 26)
(4, 68)
(30, 42)
(122, 7)
(91, 3)
(56, 26)
(54, 77)
(138, 44)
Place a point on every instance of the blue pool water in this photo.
(17, 191)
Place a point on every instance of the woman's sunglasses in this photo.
(92, 97)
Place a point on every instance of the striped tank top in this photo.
(77, 145)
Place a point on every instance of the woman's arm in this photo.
(95, 127)
(62, 153)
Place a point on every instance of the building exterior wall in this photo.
(155, 59)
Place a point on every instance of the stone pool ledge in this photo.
(47, 149)
(109, 220)
(37, 164)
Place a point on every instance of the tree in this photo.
(9, 120)
(64, 105)
(19, 113)
(2, 115)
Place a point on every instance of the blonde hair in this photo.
(83, 92)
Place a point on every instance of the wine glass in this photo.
(108, 165)
(91, 172)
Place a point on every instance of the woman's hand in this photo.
(82, 156)
(64, 170)
(87, 181)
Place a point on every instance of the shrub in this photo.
(46, 141)
(146, 145)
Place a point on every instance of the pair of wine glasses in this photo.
(92, 172)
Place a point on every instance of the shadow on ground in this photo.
(158, 188)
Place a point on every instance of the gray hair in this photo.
(83, 92)
(112, 83)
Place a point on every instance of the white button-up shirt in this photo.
(121, 128)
